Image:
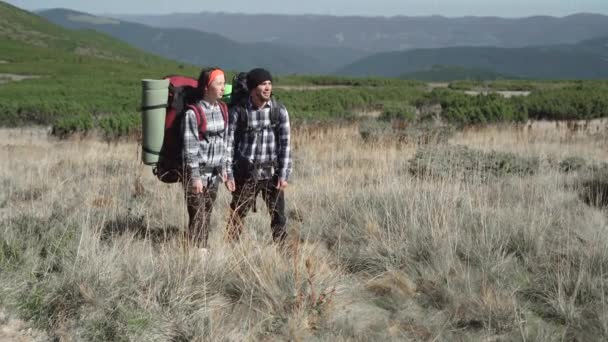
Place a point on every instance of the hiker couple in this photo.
(250, 153)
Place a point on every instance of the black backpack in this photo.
(240, 93)
(239, 97)
(238, 103)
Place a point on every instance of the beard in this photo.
(261, 97)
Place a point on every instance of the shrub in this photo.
(581, 102)
(592, 185)
(398, 111)
(67, 125)
(122, 124)
(463, 162)
(461, 109)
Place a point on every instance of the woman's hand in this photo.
(197, 186)
(230, 185)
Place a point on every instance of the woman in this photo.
(204, 127)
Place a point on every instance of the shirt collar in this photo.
(266, 105)
(207, 104)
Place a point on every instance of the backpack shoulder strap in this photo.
(242, 121)
(275, 115)
(242, 124)
(224, 110)
(200, 118)
(275, 112)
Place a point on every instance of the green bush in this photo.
(398, 111)
(583, 102)
(513, 85)
(462, 109)
(330, 80)
(342, 103)
(67, 125)
(121, 124)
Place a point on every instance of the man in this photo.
(259, 155)
(204, 153)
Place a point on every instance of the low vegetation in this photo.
(94, 252)
(77, 93)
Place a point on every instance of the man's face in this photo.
(263, 91)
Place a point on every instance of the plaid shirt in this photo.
(257, 144)
(200, 155)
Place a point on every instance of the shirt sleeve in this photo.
(224, 142)
(230, 142)
(191, 143)
(284, 151)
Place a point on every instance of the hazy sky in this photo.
(450, 8)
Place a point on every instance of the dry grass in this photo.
(90, 246)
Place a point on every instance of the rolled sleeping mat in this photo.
(227, 93)
(154, 106)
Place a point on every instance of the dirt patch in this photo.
(12, 330)
(369, 114)
(434, 85)
(3, 62)
(504, 93)
(5, 78)
(311, 87)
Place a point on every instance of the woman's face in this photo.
(215, 90)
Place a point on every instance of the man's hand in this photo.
(230, 185)
(197, 186)
(282, 184)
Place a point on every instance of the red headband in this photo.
(214, 74)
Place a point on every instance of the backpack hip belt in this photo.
(251, 169)
(213, 170)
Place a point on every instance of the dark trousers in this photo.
(199, 212)
(244, 198)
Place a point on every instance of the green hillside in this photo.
(77, 89)
(83, 78)
(586, 60)
(22, 26)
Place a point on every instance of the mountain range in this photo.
(202, 48)
(584, 60)
(381, 34)
(573, 47)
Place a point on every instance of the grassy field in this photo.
(90, 248)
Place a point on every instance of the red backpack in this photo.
(182, 94)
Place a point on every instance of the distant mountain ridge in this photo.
(584, 60)
(202, 48)
(380, 34)
(447, 73)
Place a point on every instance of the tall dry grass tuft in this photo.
(91, 244)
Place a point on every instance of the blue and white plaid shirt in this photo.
(257, 144)
(202, 154)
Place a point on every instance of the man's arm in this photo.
(284, 148)
(230, 148)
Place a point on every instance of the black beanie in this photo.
(256, 77)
